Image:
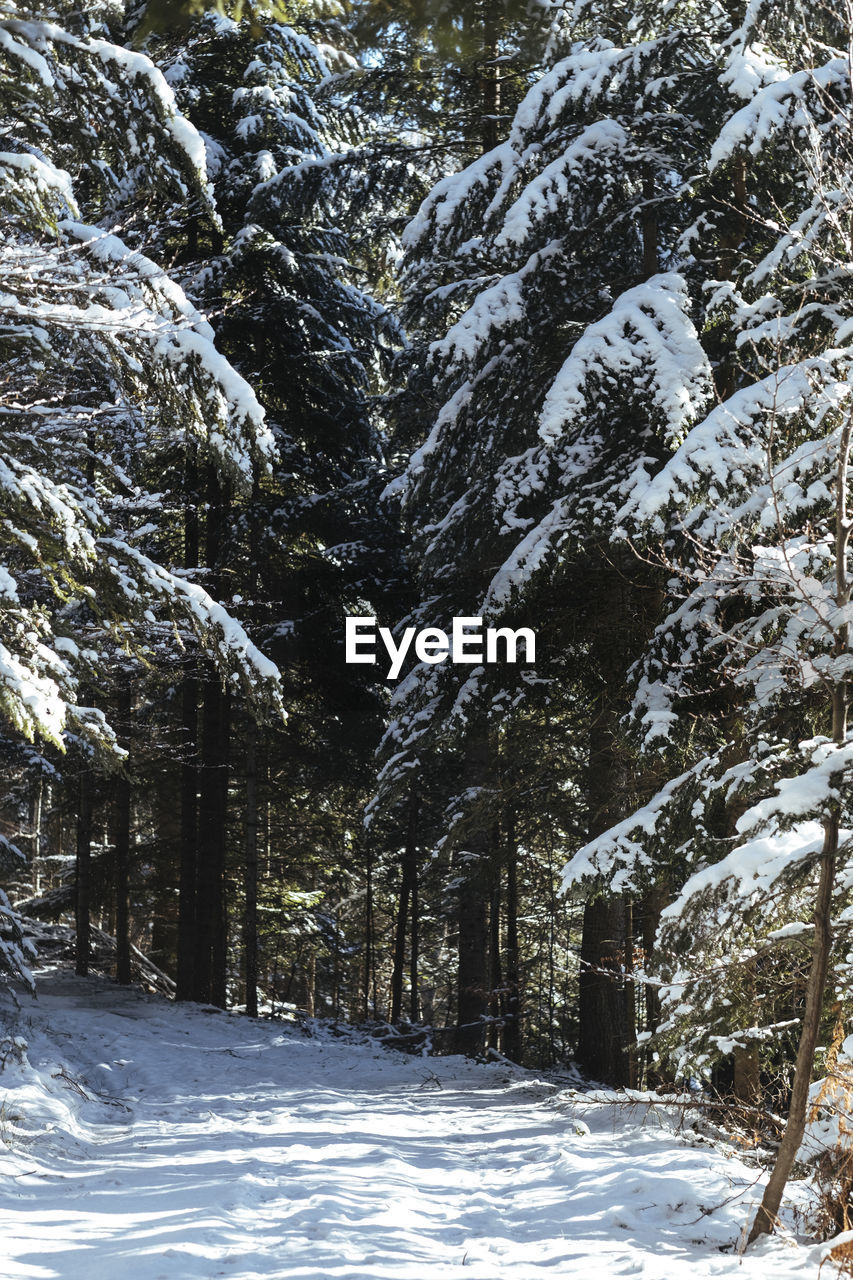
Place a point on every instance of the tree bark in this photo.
(212, 941)
(187, 924)
(651, 905)
(82, 895)
(629, 996)
(407, 886)
(473, 868)
(490, 85)
(121, 840)
(496, 997)
(605, 1041)
(473, 976)
(187, 904)
(649, 225)
(512, 1045)
(212, 927)
(747, 1074)
(36, 802)
(369, 967)
(415, 958)
(250, 922)
(122, 879)
(602, 1038)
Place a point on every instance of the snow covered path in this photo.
(208, 1145)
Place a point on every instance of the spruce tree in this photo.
(112, 363)
(753, 506)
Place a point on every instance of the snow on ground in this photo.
(149, 1141)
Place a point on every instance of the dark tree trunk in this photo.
(368, 938)
(650, 227)
(122, 879)
(187, 936)
(606, 1043)
(746, 1085)
(407, 888)
(36, 801)
(490, 85)
(212, 941)
(250, 923)
(121, 843)
(629, 996)
(414, 959)
(652, 904)
(496, 996)
(473, 890)
(83, 886)
(473, 1002)
(734, 224)
(512, 1045)
(603, 1029)
(187, 905)
(211, 919)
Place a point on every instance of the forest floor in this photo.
(144, 1140)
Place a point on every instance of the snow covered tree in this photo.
(283, 281)
(753, 508)
(545, 266)
(111, 364)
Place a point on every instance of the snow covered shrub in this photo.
(12, 1049)
(16, 951)
(828, 1141)
(840, 1254)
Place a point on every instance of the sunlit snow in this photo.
(150, 1141)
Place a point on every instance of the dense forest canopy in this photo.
(538, 313)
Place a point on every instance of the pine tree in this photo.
(283, 279)
(110, 361)
(754, 506)
(544, 264)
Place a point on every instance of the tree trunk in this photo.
(653, 901)
(473, 945)
(250, 922)
(212, 942)
(747, 1074)
(187, 904)
(212, 931)
(36, 803)
(407, 885)
(605, 1040)
(83, 886)
(490, 85)
(629, 996)
(121, 841)
(310, 984)
(649, 225)
(496, 998)
(512, 1045)
(187, 935)
(414, 960)
(602, 1039)
(473, 865)
(368, 938)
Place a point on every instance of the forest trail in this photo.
(148, 1141)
